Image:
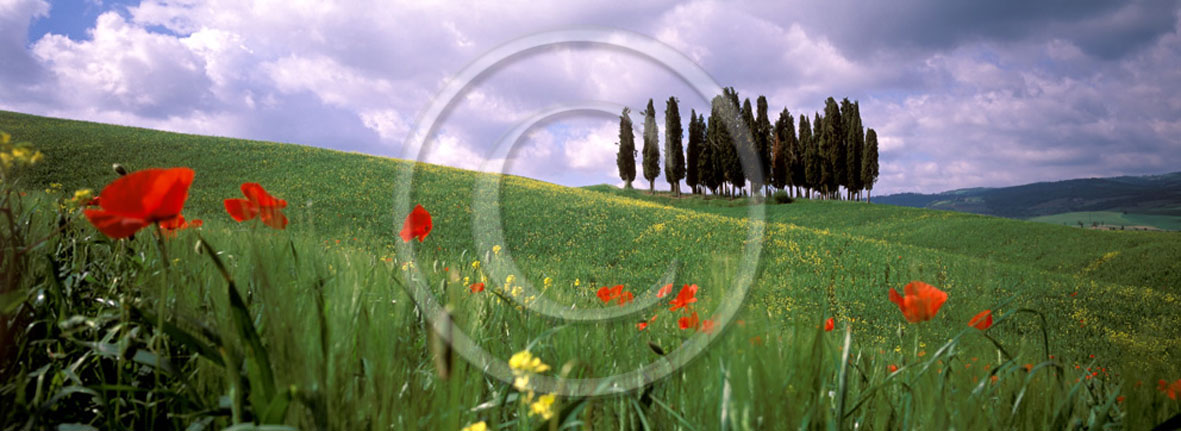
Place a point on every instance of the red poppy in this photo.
(892, 368)
(607, 294)
(686, 296)
(1170, 389)
(982, 320)
(690, 322)
(625, 298)
(921, 302)
(177, 223)
(707, 326)
(258, 203)
(417, 224)
(664, 291)
(476, 287)
(641, 326)
(136, 200)
(829, 325)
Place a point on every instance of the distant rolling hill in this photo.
(1153, 201)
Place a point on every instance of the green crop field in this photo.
(1168, 220)
(313, 326)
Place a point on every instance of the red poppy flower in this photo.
(136, 200)
(829, 325)
(625, 298)
(417, 224)
(170, 226)
(258, 203)
(921, 302)
(607, 294)
(689, 322)
(892, 368)
(476, 287)
(707, 326)
(982, 320)
(641, 326)
(1170, 389)
(686, 296)
(664, 291)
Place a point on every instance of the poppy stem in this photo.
(160, 244)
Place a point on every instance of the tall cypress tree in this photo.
(834, 137)
(763, 139)
(869, 165)
(810, 159)
(784, 158)
(746, 145)
(855, 138)
(713, 162)
(779, 162)
(674, 155)
(823, 154)
(692, 151)
(651, 147)
(625, 159)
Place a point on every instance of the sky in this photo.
(961, 94)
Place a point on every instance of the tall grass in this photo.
(312, 327)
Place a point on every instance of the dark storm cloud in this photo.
(1106, 29)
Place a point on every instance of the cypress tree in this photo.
(779, 162)
(651, 147)
(763, 139)
(692, 151)
(810, 159)
(674, 156)
(855, 137)
(823, 155)
(625, 159)
(746, 145)
(869, 164)
(716, 161)
(784, 158)
(834, 139)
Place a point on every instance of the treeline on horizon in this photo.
(830, 152)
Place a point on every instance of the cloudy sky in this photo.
(961, 94)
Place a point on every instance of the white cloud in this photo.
(594, 149)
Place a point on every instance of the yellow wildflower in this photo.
(478, 426)
(476, 265)
(496, 250)
(544, 406)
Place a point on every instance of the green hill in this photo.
(1151, 200)
(1112, 295)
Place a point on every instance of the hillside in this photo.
(817, 259)
(1153, 200)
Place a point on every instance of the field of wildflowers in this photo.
(281, 301)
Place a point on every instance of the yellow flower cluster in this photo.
(523, 364)
(19, 154)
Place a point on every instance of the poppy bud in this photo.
(119, 169)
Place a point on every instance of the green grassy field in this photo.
(347, 343)
(1114, 219)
